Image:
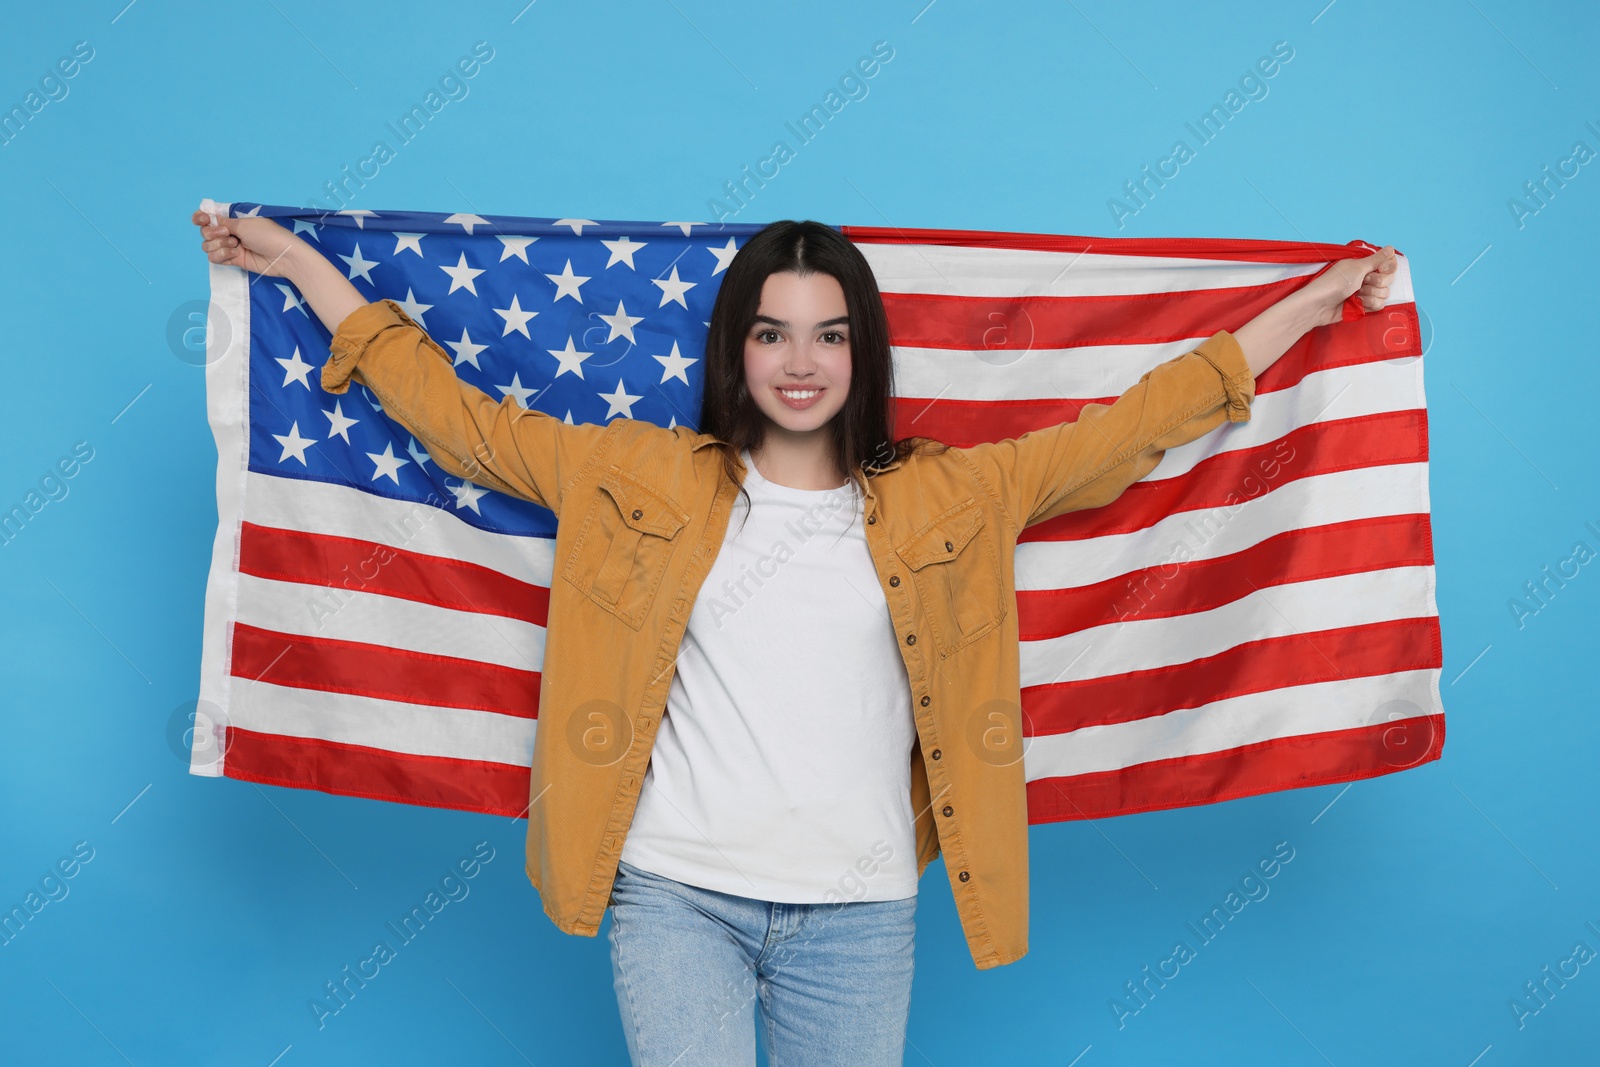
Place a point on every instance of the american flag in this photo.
(1255, 614)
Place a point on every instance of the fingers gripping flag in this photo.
(1246, 618)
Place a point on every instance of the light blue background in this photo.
(1416, 905)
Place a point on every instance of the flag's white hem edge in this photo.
(1424, 476)
(227, 375)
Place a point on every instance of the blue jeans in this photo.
(833, 980)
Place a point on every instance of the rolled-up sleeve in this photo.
(1089, 462)
(496, 444)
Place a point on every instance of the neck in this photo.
(799, 461)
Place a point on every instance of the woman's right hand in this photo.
(258, 245)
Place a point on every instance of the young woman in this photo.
(838, 662)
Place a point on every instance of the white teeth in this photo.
(802, 394)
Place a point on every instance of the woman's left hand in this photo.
(1370, 277)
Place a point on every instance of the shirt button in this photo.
(911, 639)
(964, 876)
(924, 700)
(948, 810)
(935, 753)
(637, 513)
(894, 579)
(871, 519)
(947, 545)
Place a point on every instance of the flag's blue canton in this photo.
(596, 320)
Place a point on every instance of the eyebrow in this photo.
(842, 320)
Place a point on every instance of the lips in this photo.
(799, 403)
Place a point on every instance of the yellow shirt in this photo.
(641, 513)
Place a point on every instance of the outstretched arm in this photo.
(324, 287)
(498, 444)
(1089, 462)
(1317, 303)
(262, 246)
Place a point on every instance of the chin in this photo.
(797, 426)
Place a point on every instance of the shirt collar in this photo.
(704, 439)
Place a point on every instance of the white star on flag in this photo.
(291, 299)
(621, 401)
(621, 323)
(411, 241)
(724, 256)
(567, 283)
(294, 445)
(467, 495)
(674, 365)
(623, 248)
(516, 318)
(569, 359)
(517, 389)
(295, 369)
(466, 351)
(410, 306)
(514, 246)
(467, 222)
(360, 268)
(418, 454)
(672, 289)
(341, 422)
(388, 464)
(461, 276)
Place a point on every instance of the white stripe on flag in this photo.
(955, 270)
(342, 615)
(318, 507)
(1084, 373)
(1305, 709)
(388, 724)
(1272, 611)
(1321, 397)
(1209, 533)
(227, 369)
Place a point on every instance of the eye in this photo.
(835, 333)
(763, 334)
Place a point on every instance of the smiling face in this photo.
(797, 352)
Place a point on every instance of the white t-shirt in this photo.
(782, 769)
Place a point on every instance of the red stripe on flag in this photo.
(368, 567)
(1229, 479)
(1228, 248)
(1390, 334)
(1367, 650)
(375, 773)
(334, 666)
(1298, 555)
(979, 323)
(1282, 763)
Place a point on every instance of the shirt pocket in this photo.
(623, 548)
(955, 566)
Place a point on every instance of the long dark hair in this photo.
(862, 431)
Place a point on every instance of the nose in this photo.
(801, 363)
